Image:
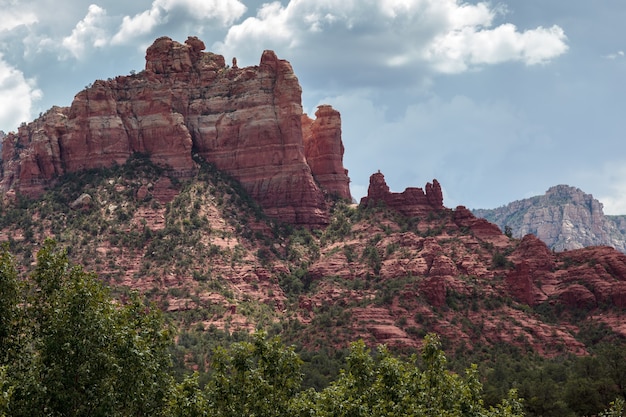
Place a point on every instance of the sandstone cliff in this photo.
(324, 150)
(247, 121)
(564, 218)
(411, 202)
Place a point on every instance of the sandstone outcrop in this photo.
(247, 121)
(481, 228)
(411, 202)
(583, 278)
(386, 278)
(324, 151)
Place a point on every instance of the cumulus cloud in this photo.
(462, 48)
(18, 95)
(225, 12)
(90, 31)
(447, 36)
(138, 25)
(222, 12)
(15, 14)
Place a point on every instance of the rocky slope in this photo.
(247, 121)
(205, 252)
(564, 218)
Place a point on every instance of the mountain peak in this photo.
(564, 217)
(247, 121)
(563, 189)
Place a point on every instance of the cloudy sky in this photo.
(498, 100)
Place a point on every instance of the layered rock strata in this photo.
(411, 202)
(247, 121)
(583, 278)
(324, 150)
(565, 218)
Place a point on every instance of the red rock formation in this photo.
(581, 278)
(534, 266)
(247, 121)
(324, 151)
(411, 202)
(481, 228)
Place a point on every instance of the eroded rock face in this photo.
(411, 202)
(247, 121)
(324, 151)
(481, 228)
(541, 275)
(564, 217)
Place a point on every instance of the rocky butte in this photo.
(247, 121)
(411, 202)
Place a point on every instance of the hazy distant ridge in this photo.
(564, 218)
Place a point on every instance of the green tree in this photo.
(187, 399)
(381, 385)
(80, 353)
(254, 379)
(9, 299)
(6, 391)
(617, 409)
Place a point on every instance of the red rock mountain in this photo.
(389, 270)
(247, 121)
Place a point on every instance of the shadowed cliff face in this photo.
(247, 121)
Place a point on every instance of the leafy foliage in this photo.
(262, 378)
(382, 385)
(561, 386)
(257, 378)
(74, 352)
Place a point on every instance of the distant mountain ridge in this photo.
(564, 218)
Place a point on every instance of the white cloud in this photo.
(618, 54)
(18, 95)
(88, 32)
(223, 12)
(458, 50)
(137, 25)
(446, 36)
(15, 14)
(272, 25)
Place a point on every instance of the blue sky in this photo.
(497, 100)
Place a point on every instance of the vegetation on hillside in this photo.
(68, 349)
(189, 267)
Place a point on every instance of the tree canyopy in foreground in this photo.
(68, 349)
